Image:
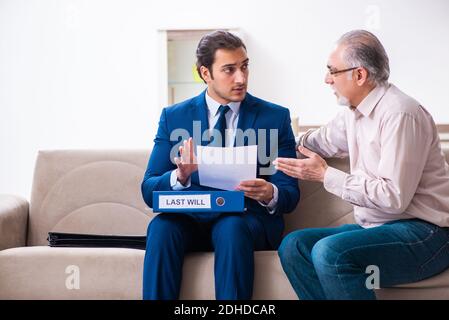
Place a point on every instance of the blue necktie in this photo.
(221, 127)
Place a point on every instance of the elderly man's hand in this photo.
(311, 169)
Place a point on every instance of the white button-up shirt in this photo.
(397, 168)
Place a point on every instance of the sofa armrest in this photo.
(13, 221)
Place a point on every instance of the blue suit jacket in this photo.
(254, 113)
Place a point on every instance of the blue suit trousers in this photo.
(232, 236)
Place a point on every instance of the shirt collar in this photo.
(371, 100)
(213, 105)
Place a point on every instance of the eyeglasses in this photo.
(334, 72)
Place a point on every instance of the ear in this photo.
(205, 74)
(361, 75)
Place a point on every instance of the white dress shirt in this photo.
(232, 118)
(397, 168)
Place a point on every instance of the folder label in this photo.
(198, 201)
(185, 201)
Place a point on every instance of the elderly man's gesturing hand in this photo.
(312, 169)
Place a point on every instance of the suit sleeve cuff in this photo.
(272, 205)
(302, 142)
(175, 184)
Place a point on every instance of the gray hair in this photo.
(363, 49)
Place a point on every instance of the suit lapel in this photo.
(200, 114)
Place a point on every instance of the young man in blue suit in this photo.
(222, 63)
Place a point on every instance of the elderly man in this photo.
(398, 184)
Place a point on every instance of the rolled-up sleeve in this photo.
(329, 140)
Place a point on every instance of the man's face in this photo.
(344, 83)
(229, 78)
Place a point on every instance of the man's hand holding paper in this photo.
(257, 189)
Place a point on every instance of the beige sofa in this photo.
(99, 192)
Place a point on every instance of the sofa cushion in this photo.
(111, 273)
(40, 273)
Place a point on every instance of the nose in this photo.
(328, 78)
(240, 77)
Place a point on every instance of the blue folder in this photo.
(198, 201)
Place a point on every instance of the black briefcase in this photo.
(60, 239)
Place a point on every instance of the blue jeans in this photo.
(332, 263)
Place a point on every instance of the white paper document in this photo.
(225, 168)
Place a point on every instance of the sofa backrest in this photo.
(98, 191)
(88, 191)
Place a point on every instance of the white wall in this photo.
(83, 74)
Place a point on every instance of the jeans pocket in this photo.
(423, 229)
